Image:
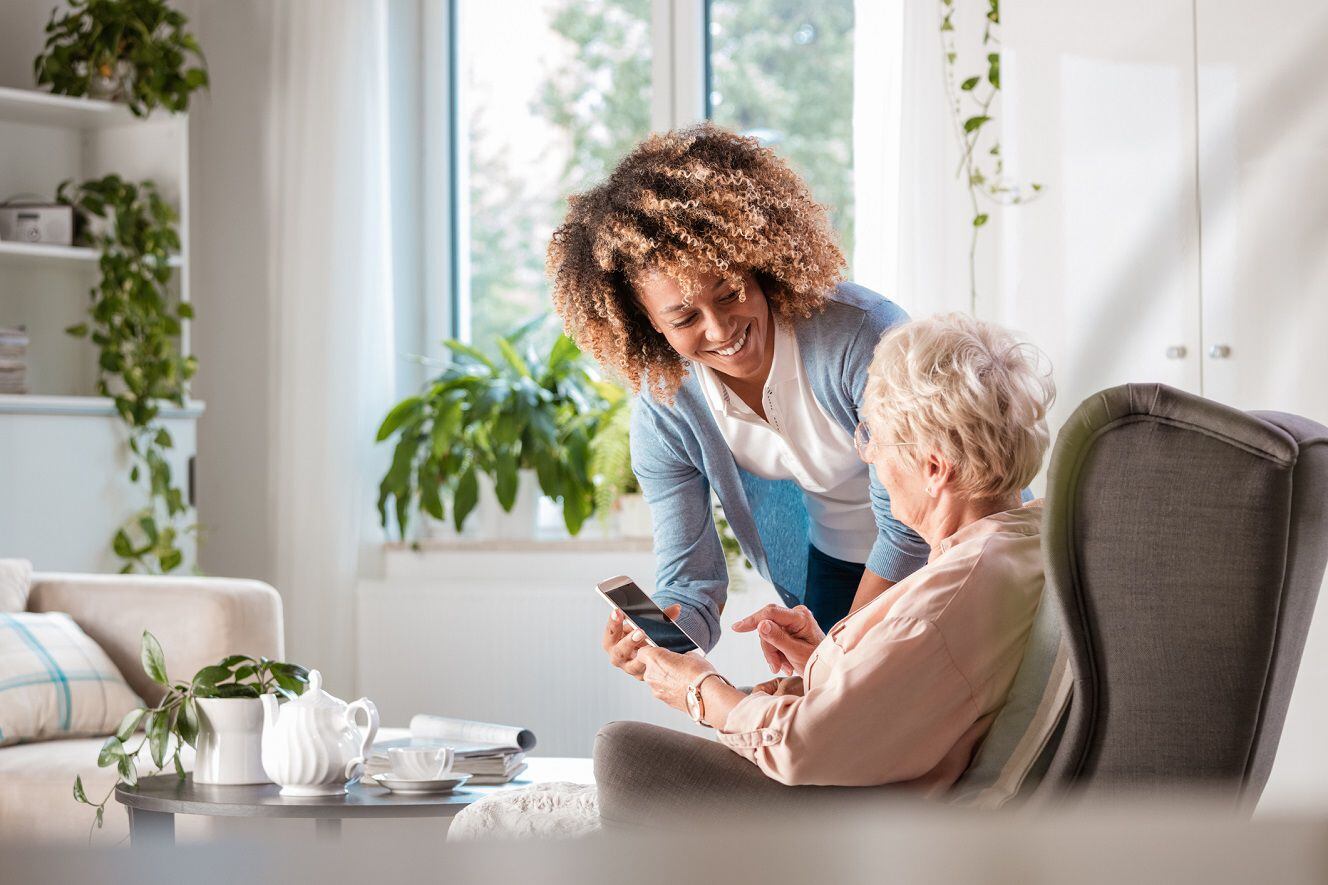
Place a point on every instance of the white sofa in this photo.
(198, 621)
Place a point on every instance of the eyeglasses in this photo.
(866, 446)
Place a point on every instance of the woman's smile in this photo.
(732, 350)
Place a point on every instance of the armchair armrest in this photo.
(198, 621)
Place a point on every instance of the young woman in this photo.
(704, 274)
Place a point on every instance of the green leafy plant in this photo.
(522, 410)
(135, 323)
(972, 99)
(135, 51)
(173, 722)
(611, 455)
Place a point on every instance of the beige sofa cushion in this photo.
(55, 682)
(15, 577)
(37, 792)
(198, 621)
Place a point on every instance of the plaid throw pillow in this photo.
(55, 681)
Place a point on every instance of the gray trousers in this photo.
(650, 776)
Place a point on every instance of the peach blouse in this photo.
(904, 689)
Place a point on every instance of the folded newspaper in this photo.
(491, 754)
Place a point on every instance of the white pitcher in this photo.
(311, 745)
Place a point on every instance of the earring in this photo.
(931, 491)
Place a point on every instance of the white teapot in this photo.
(311, 744)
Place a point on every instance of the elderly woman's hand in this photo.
(788, 636)
(621, 642)
(780, 686)
(668, 674)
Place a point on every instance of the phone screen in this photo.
(643, 612)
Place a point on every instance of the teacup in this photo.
(420, 763)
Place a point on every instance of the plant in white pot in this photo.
(219, 713)
(524, 410)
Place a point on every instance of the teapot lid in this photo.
(314, 697)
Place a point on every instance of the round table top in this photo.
(166, 793)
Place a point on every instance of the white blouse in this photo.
(799, 441)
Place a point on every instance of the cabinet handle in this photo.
(1176, 352)
(1219, 351)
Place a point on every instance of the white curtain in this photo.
(913, 216)
(332, 283)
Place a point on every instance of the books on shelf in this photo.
(13, 359)
(491, 754)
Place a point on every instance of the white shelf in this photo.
(37, 253)
(33, 108)
(36, 404)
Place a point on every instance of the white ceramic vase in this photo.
(230, 742)
(518, 524)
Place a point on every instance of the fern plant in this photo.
(611, 456)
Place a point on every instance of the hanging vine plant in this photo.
(135, 322)
(972, 101)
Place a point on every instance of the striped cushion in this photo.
(56, 682)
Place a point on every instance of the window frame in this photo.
(680, 96)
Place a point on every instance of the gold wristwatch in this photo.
(695, 703)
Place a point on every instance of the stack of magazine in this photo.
(491, 754)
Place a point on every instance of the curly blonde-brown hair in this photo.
(686, 203)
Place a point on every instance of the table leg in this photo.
(327, 829)
(151, 828)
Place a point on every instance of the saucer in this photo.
(416, 787)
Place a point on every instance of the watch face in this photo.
(693, 704)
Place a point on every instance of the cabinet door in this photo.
(1263, 167)
(1102, 270)
(1263, 173)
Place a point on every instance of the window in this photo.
(782, 70)
(551, 95)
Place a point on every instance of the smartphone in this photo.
(642, 613)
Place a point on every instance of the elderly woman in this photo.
(903, 689)
(703, 273)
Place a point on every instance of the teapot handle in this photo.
(355, 767)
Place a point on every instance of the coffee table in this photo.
(154, 801)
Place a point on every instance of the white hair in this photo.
(967, 391)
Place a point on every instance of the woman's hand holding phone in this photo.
(621, 642)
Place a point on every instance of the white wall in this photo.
(235, 302)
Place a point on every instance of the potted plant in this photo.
(131, 51)
(135, 323)
(218, 713)
(523, 411)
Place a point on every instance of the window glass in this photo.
(782, 70)
(551, 94)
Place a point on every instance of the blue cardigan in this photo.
(679, 455)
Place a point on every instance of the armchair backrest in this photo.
(1186, 543)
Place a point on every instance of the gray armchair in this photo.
(1185, 543)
